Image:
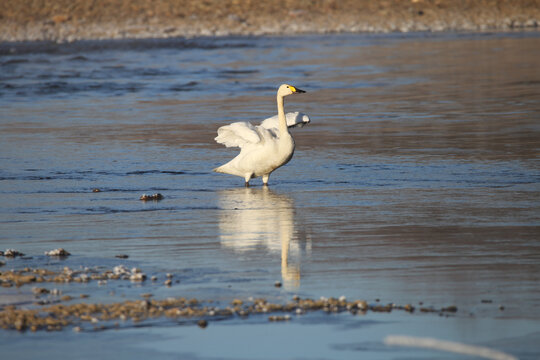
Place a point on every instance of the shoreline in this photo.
(68, 21)
(59, 298)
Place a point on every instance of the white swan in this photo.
(262, 150)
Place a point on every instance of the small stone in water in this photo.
(57, 252)
(155, 197)
(122, 256)
(202, 323)
(120, 270)
(451, 308)
(137, 277)
(145, 304)
(12, 253)
(409, 308)
(277, 284)
(279, 318)
(39, 291)
(362, 305)
(56, 292)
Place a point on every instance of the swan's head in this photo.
(285, 90)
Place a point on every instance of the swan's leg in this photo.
(265, 179)
(247, 177)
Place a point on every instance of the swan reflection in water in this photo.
(255, 218)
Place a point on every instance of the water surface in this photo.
(417, 181)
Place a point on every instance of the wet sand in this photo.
(65, 20)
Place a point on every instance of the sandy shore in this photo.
(70, 20)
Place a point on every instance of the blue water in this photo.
(416, 181)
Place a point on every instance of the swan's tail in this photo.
(228, 169)
(224, 169)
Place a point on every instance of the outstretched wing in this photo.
(294, 119)
(238, 134)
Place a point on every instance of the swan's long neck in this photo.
(281, 116)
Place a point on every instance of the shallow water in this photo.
(417, 181)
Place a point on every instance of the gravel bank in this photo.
(70, 20)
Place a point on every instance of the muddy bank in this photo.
(66, 20)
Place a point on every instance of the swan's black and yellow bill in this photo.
(296, 90)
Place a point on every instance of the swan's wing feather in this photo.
(271, 122)
(268, 134)
(237, 134)
(294, 119)
(300, 119)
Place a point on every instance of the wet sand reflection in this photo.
(258, 219)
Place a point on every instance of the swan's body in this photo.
(262, 149)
